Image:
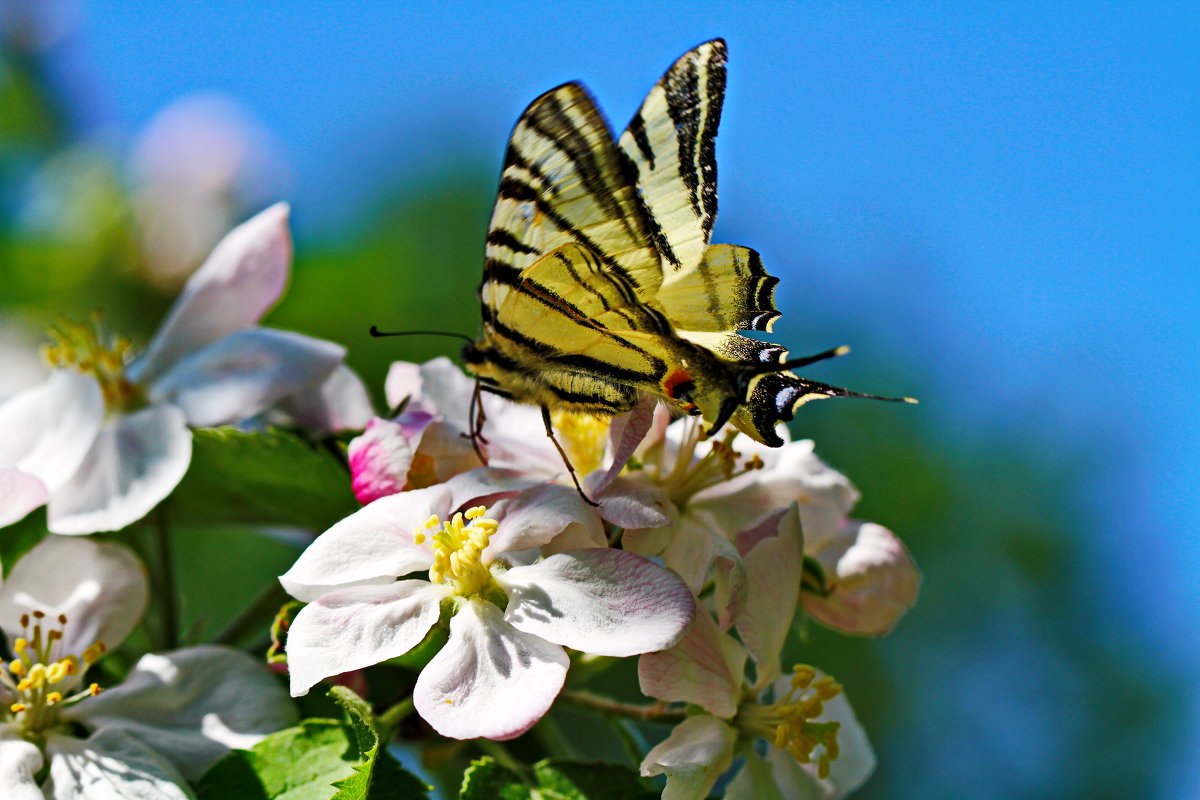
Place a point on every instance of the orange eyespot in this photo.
(673, 383)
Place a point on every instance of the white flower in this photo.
(503, 663)
(65, 603)
(107, 440)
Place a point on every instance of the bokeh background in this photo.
(997, 205)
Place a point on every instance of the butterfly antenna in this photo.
(378, 334)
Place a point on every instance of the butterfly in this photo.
(600, 285)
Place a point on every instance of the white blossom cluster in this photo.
(697, 555)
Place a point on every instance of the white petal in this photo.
(373, 545)
(244, 373)
(874, 580)
(235, 286)
(489, 679)
(339, 403)
(626, 433)
(101, 587)
(696, 753)
(704, 669)
(353, 628)
(537, 515)
(19, 762)
(111, 765)
(448, 389)
(485, 484)
(850, 770)
(135, 462)
(773, 566)
(46, 430)
(403, 382)
(192, 705)
(379, 460)
(632, 504)
(19, 494)
(601, 601)
(696, 542)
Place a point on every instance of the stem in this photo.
(389, 720)
(169, 606)
(654, 712)
(500, 753)
(268, 601)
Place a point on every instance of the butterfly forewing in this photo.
(671, 142)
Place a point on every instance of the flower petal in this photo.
(403, 382)
(19, 762)
(192, 705)
(373, 545)
(489, 679)
(339, 403)
(379, 460)
(601, 601)
(773, 567)
(235, 286)
(46, 430)
(626, 433)
(704, 669)
(110, 765)
(484, 484)
(19, 494)
(101, 587)
(135, 462)
(696, 753)
(244, 373)
(696, 542)
(537, 515)
(632, 504)
(874, 580)
(359, 626)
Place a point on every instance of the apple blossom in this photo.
(105, 438)
(67, 602)
(503, 663)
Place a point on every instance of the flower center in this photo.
(92, 350)
(458, 547)
(40, 673)
(790, 722)
(690, 475)
(582, 437)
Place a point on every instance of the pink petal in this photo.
(243, 277)
(245, 373)
(874, 580)
(601, 601)
(696, 753)
(101, 587)
(627, 432)
(490, 679)
(705, 668)
(773, 567)
(632, 504)
(359, 626)
(537, 515)
(373, 545)
(379, 460)
(136, 461)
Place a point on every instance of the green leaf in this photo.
(578, 780)
(272, 477)
(486, 779)
(19, 538)
(377, 776)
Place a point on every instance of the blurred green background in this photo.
(1042, 661)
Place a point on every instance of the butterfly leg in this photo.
(477, 417)
(563, 453)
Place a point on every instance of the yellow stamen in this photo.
(54, 697)
(17, 708)
(458, 550)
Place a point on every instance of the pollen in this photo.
(458, 547)
(92, 350)
(40, 674)
(792, 723)
(582, 437)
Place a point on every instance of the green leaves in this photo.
(486, 779)
(271, 477)
(319, 759)
(19, 538)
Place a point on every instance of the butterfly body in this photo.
(600, 283)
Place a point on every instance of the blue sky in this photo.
(1011, 191)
